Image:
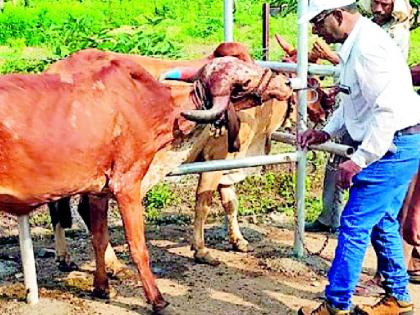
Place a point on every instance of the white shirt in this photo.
(382, 100)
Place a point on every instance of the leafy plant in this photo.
(156, 199)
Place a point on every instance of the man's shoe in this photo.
(317, 226)
(323, 309)
(388, 305)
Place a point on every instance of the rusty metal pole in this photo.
(265, 31)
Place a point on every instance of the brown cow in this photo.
(257, 124)
(60, 210)
(110, 124)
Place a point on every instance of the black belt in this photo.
(412, 130)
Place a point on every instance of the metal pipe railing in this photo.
(302, 117)
(220, 165)
(313, 68)
(330, 147)
(228, 20)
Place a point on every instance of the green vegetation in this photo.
(42, 31)
(158, 198)
(49, 30)
(275, 191)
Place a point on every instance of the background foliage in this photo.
(42, 31)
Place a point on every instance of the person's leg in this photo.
(414, 266)
(386, 241)
(369, 198)
(377, 193)
(373, 286)
(360, 215)
(332, 195)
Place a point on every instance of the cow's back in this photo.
(59, 138)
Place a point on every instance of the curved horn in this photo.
(220, 103)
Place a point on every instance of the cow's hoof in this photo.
(242, 246)
(162, 308)
(64, 266)
(104, 294)
(206, 258)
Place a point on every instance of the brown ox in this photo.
(110, 127)
(60, 210)
(257, 124)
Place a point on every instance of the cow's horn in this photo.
(220, 104)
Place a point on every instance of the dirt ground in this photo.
(267, 281)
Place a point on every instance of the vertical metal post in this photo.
(302, 73)
(228, 20)
(265, 31)
(28, 260)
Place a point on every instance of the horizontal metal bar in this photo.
(292, 67)
(218, 165)
(331, 147)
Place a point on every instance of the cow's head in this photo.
(228, 86)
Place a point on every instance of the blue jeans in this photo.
(371, 214)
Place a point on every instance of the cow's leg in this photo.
(99, 228)
(230, 203)
(129, 202)
(113, 265)
(60, 212)
(202, 209)
(207, 184)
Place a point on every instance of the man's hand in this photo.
(311, 136)
(346, 171)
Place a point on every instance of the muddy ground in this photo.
(267, 281)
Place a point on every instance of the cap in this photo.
(318, 6)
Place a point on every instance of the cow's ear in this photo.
(233, 124)
(232, 49)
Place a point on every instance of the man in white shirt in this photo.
(379, 172)
(393, 16)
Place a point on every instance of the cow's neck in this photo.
(182, 97)
(188, 139)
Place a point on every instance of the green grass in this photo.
(414, 55)
(174, 29)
